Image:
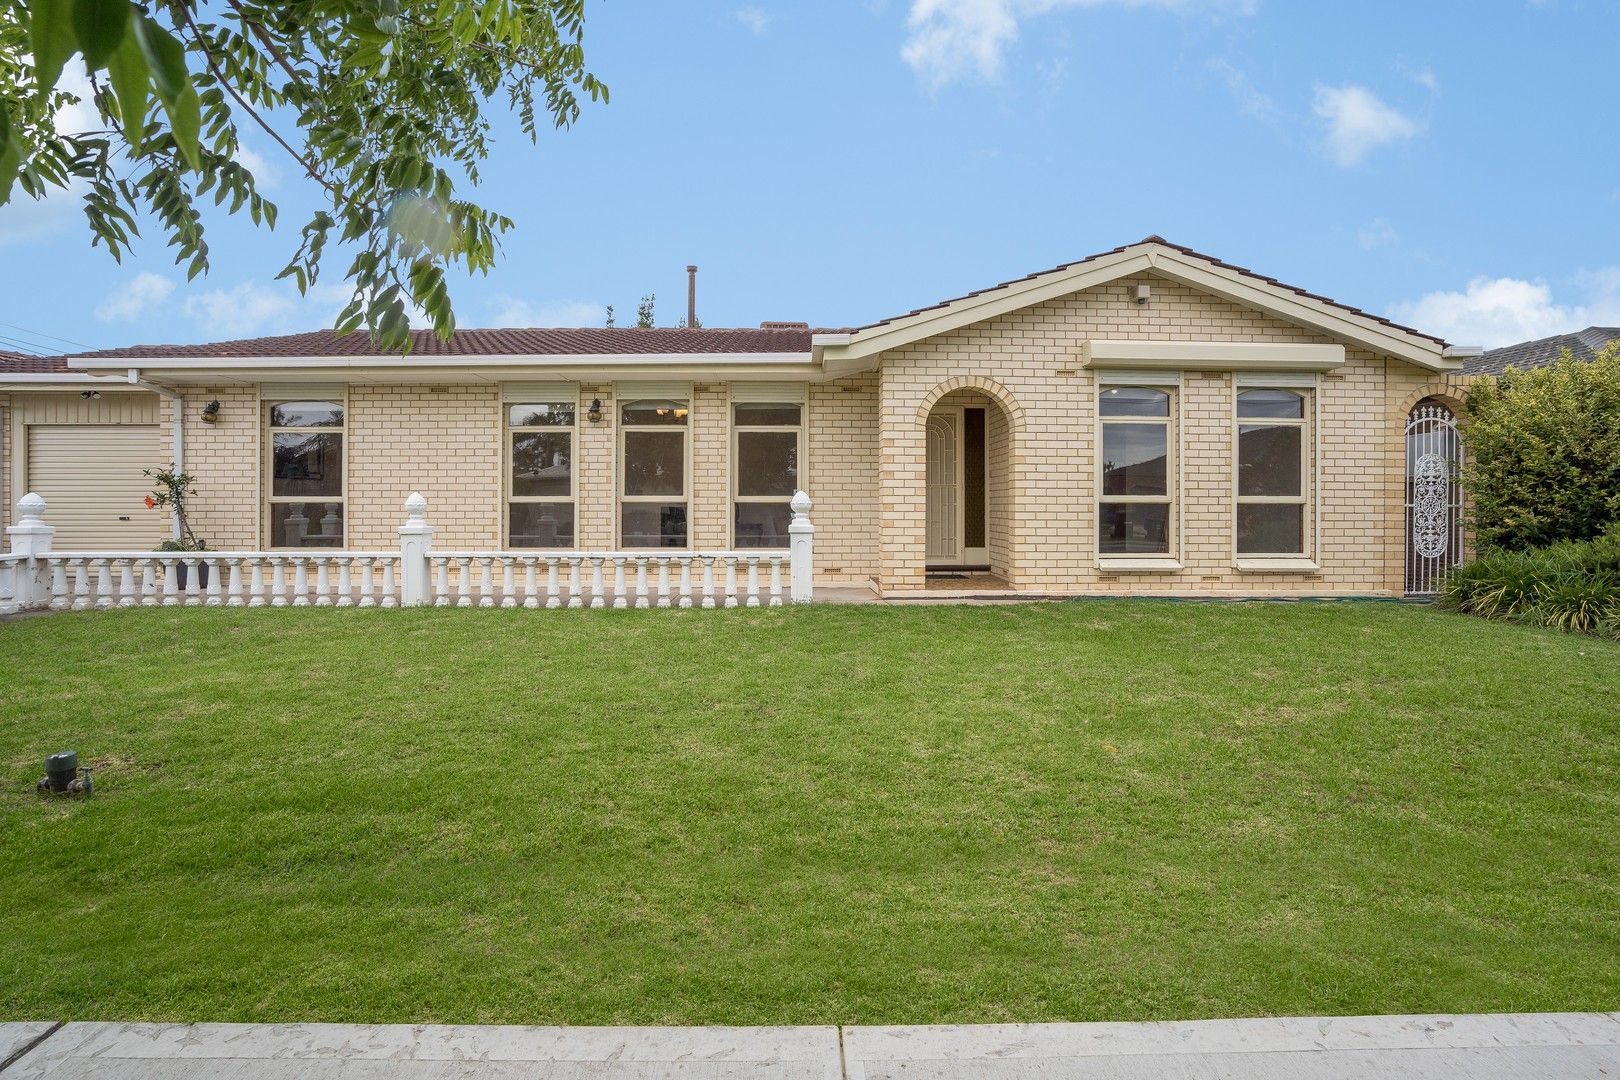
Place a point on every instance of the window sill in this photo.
(1277, 564)
(1131, 564)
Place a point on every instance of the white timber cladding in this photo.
(91, 477)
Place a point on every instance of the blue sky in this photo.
(1453, 164)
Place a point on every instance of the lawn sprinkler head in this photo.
(62, 775)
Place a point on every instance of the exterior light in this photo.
(594, 413)
(210, 413)
(90, 395)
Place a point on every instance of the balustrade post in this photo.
(415, 545)
(801, 547)
(31, 537)
(619, 589)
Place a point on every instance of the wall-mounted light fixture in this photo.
(90, 395)
(210, 413)
(594, 413)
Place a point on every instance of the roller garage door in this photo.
(90, 478)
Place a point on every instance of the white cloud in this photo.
(265, 175)
(966, 39)
(1248, 97)
(24, 219)
(516, 311)
(1501, 311)
(1427, 79)
(1358, 122)
(754, 18)
(243, 310)
(134, 300)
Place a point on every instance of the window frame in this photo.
(1306, 499)
(735, 455)
(268, 406)
(619, 496)
(509, 430)
(1170, 558)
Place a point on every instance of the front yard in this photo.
(861, 815)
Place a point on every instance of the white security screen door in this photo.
(944, 486)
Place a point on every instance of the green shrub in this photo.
(1572, 586)
(1544, 453)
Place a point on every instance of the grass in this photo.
(1075, 811)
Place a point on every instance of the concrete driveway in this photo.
(1541, 1046)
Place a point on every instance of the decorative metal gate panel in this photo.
(1434, 510)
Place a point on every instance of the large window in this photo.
(1270, 472)
(306, 474)
(540, 474)
(1135, 504)
(655, 478)
(767, 438)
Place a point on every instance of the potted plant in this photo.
(173, 490)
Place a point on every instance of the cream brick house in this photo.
(1146, 420)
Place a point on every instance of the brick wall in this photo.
(842, 477)
(442, 441)
(226, 459)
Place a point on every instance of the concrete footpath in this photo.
(1542, 1046)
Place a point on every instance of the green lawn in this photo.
(1093, 810)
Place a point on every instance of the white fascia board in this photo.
(1293, 307)
(33, 381)
(987, 305)
(484, 374)
(1463, 352)
(1212, 355)
(348, 363)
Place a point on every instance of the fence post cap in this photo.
(416, 506)
(31, 507)
(801, 502)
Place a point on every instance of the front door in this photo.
(956, 487)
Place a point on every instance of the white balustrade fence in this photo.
(32, 576)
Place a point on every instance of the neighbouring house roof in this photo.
(22, 364)
(1582, 345)
(537, 341)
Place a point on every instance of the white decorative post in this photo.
(801, 544)
(415, 542)
(31, 537)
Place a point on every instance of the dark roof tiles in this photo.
(1583, 345)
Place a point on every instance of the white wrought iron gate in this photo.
(1434, 509)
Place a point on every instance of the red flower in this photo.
(151, 503)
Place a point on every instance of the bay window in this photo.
(540, 474)
(767, 444)
(655, 473)
(306, 474)
(1271, 485)
(1135, 503)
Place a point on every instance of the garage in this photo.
(85, 456)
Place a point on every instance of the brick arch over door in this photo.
(902, 479)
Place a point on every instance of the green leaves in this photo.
(52, 38)
(382, 106)
(98, 27)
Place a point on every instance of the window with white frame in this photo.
(306, 474)
(540, 474)
(1135, 501)
(654, 473)
(767, 442)
(1271, 482)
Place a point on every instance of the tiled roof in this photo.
(22, 364)
(513, 342)
(1583, 345)
(1212, 260)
